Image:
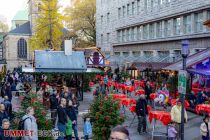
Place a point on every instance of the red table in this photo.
(203, 108)
(128, 101)
(186, 103)
(162, 116)
(140, 92)
(118, 96)
(129, 88)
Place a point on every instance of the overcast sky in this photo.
(8, 8)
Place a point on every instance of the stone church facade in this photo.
(16, 42)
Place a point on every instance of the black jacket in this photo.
(3, 115)
(62, 116)
(141, 107)
(8, 107)
(148, 91)
(53, 102)
(2, 137)
(71, 113)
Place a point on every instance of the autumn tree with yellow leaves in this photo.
(81, 20)
(49, 27)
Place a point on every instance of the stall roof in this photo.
(191, 60)
(200, 72)
(57, 61)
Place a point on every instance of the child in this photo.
(172, 131)
(204, 128)
(87, 128)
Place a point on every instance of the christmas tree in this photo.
(32, 100)
(105, 113)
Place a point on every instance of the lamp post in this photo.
(185, 53)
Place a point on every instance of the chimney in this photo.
(68, 47)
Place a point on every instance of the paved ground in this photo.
(192, 131)
(191, 128)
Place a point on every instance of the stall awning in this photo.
(154, 66)
(191, 60)
(200, 72)
(57, 61)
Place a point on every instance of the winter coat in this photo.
(53, 101)
(203, 129)
(176, 114)
(62, 116)
(2, 136)
(8, 107)
(172, 132)
(148, 91)
(69, 128)
(30, 124)
(87, 128)
(3, 115)
(71, 113)
(141, 107)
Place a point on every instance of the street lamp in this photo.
(185, 53)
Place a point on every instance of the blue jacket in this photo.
(87, 128)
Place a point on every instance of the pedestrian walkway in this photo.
(192, 127)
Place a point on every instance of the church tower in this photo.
(33, 8)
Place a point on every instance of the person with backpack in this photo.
(8, 106)
(28, 122)
(53, 105)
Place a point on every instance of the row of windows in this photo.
(164, 28)
(136, 6)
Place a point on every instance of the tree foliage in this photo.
(48, 26)
(82, 21)
(105, 113)
(3, 27)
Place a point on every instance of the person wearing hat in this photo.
(204, 128)
(176, 112)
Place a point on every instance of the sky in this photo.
(8, 8)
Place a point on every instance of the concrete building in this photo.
(151, 30)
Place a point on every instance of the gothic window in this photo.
(22, 48)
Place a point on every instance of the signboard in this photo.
(182, 83)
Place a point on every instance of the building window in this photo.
(187, 24)
(138, 6)
(167, 30)
(22, 48)
(132, 34)
(177, 26)
(139, 31)
(102, 19)
(128, 10)
(102, 38)
(117, 53)
(108, 17)
(123, 36)
(163, 53)
(152, 4)
(145, 32)
(126, 54)
(199, 22)
(151, 31)
(148, 53)
(133, 8)
(119, 13)
(128, 34)
(136, 53)
(124, 11)
(145, 4)
(119, 37)
(160, 2)
(108, 37)
(159, 30)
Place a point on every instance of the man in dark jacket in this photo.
(5, 126)
(8, 106)
(142, 112)
(62, 118)
(148, 91)
(53, 105)
(8, 91)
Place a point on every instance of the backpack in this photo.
(21, 123)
